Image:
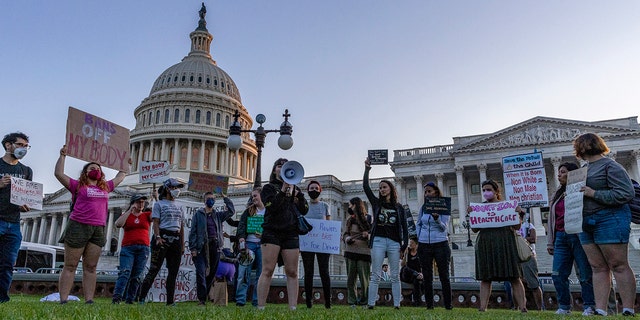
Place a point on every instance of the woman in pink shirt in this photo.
(84, 235)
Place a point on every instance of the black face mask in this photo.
(314, 194)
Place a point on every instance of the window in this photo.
(453, 190)
(413, 193)
(183, 158)
(171, 160)
(475, 188)
(144, 119)
(215, 82)
(226, 121)
(150, 117)
(187, 115)
(208, 80)
(191, 79)
(217, 119)
(176, 115)
(184, 78)
(207, 152)
(208, 118)
(157, 116)
(197, 116)
(199, 79)
(175, 79)
(166, 115)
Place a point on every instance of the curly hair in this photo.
(589, 144)
(84, 179)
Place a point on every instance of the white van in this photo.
(33, 256)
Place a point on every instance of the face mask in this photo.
(19, 153)
(314, 194)
(350, 211)
(487, 195)
(210, 202)
(175, 193)
(94, 174)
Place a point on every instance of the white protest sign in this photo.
(26, 192)
(573, 204)
(493, 214)
(525, 180)
(324, 238)
(154, 171)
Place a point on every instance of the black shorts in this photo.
(282, 239)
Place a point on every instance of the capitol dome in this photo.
(186, 117)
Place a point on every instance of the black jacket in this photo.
(281, 215)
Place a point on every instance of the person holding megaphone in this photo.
(283, 201)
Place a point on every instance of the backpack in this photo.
(634, 204)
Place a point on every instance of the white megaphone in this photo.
(292, 172)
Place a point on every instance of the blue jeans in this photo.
(382, 246)
(204, 281)
(566, 250)
(133, 259)
(10, 238)
(244, 276)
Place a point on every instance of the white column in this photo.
(65, 218)
(440, 182)
(419, 189)
(399, 182)
(555, 162)
(201, 156)
(120, 236)
(163, 150)
(213, 158)
(109, 229)
(131, 150)
(43, 227)
(462, 202)
(140, 148)
(482, 167)
(176, 152)
(226, 168)
(23, 227)
(53, 230)
(636, 171)
(189, 153)
(236, 171)
(36, 224)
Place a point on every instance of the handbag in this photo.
(303, 225)
(524, 250)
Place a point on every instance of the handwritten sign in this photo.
(411, 225)
(254, 224)
(154, 171)
(493, 214)
(378, 156)
(573, 204)
(94, 139)
(525, 180)
(324, 238)
(206, 182)
(26, 192)
(441, 205)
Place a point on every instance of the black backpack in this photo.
(634, 204)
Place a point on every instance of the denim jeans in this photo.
(204, 281)
(133, 259)
(566, 250)
(441, 253)
(384, 246)
(10, 238)
(323, 269)
(244, 276)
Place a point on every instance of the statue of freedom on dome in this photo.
(202, 12)
(202, 24)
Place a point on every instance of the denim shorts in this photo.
(78, 235)
(607, 226)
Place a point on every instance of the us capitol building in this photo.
(186, 117)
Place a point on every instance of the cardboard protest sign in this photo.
(324, 238)
(378, 156)
(254, 224)
(26, 192)
(573, 204)
(411, 225)
(525, 180)
(91, 138)
(493, 214)
(154, 171)
(206, 182)
(440, 205)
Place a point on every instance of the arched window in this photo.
(207, 153)
(226, 121)
(197, 116)
(208, 118)
(195, 157)
(171, 160)
(187, 115)
(183, 78)
(176, 115)
(166, 115)
(191, 78)
(183, 158)
(144, 119)
(217, 119)
(157, 116)
(150, 117)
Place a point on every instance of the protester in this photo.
(84, 235)
(411, 272)
(283, 203)
(135, 222)
(317, 210)
(389, 235)
(433, 245)
(567, 252)
(250, 241)
(168, 232)
(606, 222)
(530, 268)
(206, 240)
(356, 252)
(15, 146)
(385, 273)
(497, 254)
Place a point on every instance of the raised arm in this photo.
(59, 169)
(365, 183)
(120, 176)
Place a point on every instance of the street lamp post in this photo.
(468, 227)
(285, 142)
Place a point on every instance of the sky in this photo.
(355, 75)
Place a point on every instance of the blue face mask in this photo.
(210, 202)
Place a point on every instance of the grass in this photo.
(29, 307)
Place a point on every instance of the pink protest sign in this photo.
(493, 214)
(91, 138)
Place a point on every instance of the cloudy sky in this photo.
(355, 75)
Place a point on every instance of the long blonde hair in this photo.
(253, 209)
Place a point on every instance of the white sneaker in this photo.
(588, 311)
(563, 311)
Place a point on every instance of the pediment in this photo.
(543, 130)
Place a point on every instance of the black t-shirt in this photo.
(387, 222)
(8, 211)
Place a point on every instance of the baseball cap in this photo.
(137, 197)
(172, 182)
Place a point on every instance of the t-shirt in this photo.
(91, 203)
(318, 210)
(251, 237)
(10, 212)
(136, 229)
(560, 215)
(170, 215)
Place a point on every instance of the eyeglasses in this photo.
(22, 145)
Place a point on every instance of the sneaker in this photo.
(588, 311)
(628, 313)
(563, 311)
(370, 307)
(89, 302)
